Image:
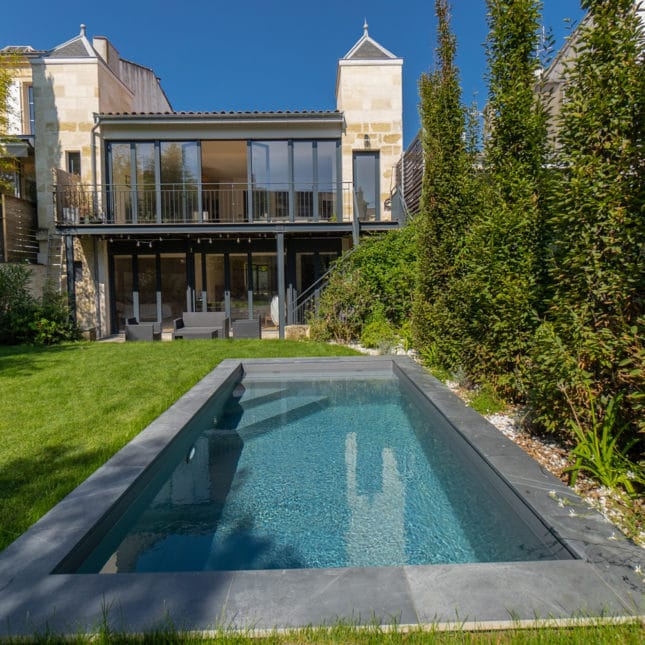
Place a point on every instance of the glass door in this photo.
(174, 286)
(147, 278)
(366, 184)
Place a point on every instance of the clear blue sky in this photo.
(262, 54)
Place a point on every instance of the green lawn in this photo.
(65, 410)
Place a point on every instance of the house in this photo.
(156, 212)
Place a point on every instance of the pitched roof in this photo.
(77, 47)
(366, 48)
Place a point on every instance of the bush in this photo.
(374, 281)
(24, 319)
(378, 333)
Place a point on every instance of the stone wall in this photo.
(370, 95)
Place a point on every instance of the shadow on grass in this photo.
(22, 360)
(31, 485)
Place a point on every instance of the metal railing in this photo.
(306, 304)
(230, 203)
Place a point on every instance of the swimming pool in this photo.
(40, 588)
(290, 473)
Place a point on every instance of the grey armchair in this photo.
(142, 331)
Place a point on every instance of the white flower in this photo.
(572, 513)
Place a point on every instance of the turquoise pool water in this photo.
(325, 473)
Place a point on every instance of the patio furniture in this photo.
(201, 324)
(247, 328)
(142, 331)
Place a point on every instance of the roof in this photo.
(366, 48)
(77, 47)
(230, 114)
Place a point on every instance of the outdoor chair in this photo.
(247, 328)
(142, 331)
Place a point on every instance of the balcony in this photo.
(212, 205)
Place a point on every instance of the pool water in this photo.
(325, 473)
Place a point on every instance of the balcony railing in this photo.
(79, 205)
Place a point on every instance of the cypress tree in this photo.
(503, 257)
(445, 207)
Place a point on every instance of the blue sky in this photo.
(262, 55)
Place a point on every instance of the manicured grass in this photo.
(65, 410)
(594, 634)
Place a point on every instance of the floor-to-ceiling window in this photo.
(210, 287)
(328, 180)
(147, 291)
(271, 179)
(265, 286)
(120, 173)
(192, 181)
(123, 289)
(224, 180)
(366, 184)
(239, 285)
(180, 181)
(174, 284)
(303, 179)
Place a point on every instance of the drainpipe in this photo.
(97, 293)
(93, 162)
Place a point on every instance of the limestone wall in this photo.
(370, 95)
(66, 96)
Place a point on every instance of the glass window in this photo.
(73, 162)
(366, 184)
(180, 180)
(123, 289)
(32, 114)
(145, 178)
(212, 265)
(173, 286)
(270, 177)
(303, 173)
(120, 173)
(147, 274)
(327, 179)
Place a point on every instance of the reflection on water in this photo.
(368, 511)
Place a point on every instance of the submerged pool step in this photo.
(272, 415)
(262, 397)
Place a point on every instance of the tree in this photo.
(447, 198)
(590, 347)
(503, 254)
(8, 62)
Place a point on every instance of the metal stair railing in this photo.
(307, 301)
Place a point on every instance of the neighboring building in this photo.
(553, 80)
(161, 212)
(18, 202)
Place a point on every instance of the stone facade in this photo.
(369, 92)
(86, 98)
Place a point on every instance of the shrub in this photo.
(592, 338)
(378, 333)
(373, 280)
(24, 319)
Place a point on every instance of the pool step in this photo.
(272, 416)
(261, 398)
